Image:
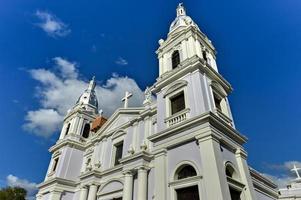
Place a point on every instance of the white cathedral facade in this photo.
(181, 146)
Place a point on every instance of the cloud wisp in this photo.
(60, 86)
(52, 25)
(121, 61)
(282, 174)
(31, 188)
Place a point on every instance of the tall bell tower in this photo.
(192, 105)
(188, 75)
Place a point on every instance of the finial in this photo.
(181, 10)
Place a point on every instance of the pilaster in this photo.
(243, 168)
(160, 175)
(214, 175)
(55, 195)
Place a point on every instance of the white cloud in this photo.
(43, 122)
(30, 187)
(283, 174)
(281, 180)
(60, 87)
(52, 25)
(121, 61)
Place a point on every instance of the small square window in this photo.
(177, 103)
(118, 153)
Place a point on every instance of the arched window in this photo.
(175, 58)
(86, 131)
(67, 129)
(231, 173)
(191, 192)
(186, 171)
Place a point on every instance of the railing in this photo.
(177, 117)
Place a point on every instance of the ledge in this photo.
(207, 117)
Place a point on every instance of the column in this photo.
(55, 195)
(241, 157)
(142, 183)
(73, 126)
(213, 167)
(83, 193)
(128, 185)
(160, 175)
(92, 192)
(191, 47)
(80, 126)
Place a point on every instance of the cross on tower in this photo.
(126, 98)
(296, 170)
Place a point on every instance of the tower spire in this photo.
(92, 84)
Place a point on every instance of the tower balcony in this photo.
(177, 117)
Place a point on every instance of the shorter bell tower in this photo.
(67, 153)
(77, 122)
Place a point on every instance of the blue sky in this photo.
(54, 47)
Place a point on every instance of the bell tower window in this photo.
(67, 129)
(55, 163)
(86, 131)
(217, 102)
(205, 55)
(177, 103)
(175, 58)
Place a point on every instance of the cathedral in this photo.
(181, 144)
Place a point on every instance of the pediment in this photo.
(119, 118)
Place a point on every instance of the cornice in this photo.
(188, 66)
(69, 143)
(146, 156)
(57, 180)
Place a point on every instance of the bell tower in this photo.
(77, 122)
(189, 83)
(68, 152)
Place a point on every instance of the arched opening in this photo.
(175, 58)
(204, 55)
(192, 192)
(67, 129)
(186, 172)
(231, 173)
(86, 131)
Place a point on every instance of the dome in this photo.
(182, 20)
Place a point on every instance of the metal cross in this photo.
(126, 98)
(296, 170)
